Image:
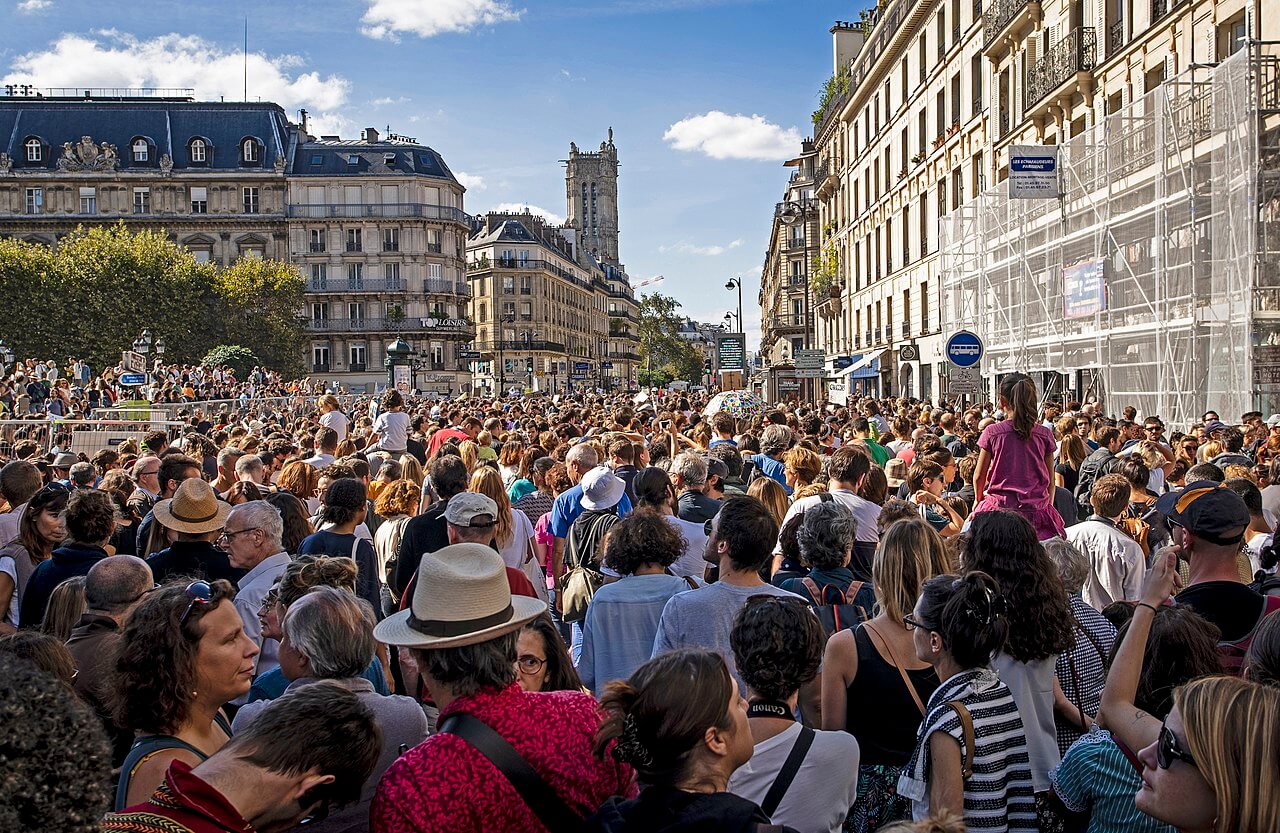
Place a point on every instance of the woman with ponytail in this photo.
(1016, 461)
(971, 752)
(681, 722)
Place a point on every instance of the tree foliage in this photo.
(661, 347)
(94, 293)
(239, 359)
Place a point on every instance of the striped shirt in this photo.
(999, 795)
(1096, 778)
(1082, 671)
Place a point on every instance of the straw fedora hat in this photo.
(194, 508)
(461, 597)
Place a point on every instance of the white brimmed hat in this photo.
(194, 508)
(461, 597)
(601, 488)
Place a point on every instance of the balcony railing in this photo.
(1077, 52)
(320, 367)
(808, 206)
(443, 286)
(358, 367)
(356, 285)
(794, 244)
(527, 266)
(997, 16)
(625, 357)
(321, 211)
(1115, 37)
(521, 345)
(441, 326)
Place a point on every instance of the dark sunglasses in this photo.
(200, 593)
(1169, 750)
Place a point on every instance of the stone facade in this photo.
(591, 196)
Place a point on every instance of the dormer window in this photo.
(140, 150)
(199, 151)
(250, 151)
(35, 149)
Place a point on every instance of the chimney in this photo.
(369, 135)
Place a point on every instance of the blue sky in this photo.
(500, 88)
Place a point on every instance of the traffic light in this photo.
(706, 367)
(528, 365)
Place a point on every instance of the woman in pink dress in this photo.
(1015, 461)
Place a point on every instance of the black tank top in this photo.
(879, 710)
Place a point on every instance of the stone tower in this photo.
(591, 194)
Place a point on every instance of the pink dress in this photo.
(1017, 478)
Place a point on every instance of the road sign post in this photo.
(964, 353)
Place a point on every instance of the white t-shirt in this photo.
(824, 788)
(338, 421)
(692, 563)
(392, 429)
(522, 530)
(10, 568)
(866, 513)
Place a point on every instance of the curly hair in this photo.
(156, 657)
(90, 516)
(398, 499)
(1004, 545)
(557, 478)
(826, 535)
(308, 571)
(344, 500)
(642, 538)
(54, 771)
(777, 645)
(803, 464)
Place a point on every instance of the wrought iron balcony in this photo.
(443, 327)
(320, 367)
(358, 367)
(444, 286)
(321, 211)
(1115, 37)
(356, 284)
(1075, 53)
(997, 17)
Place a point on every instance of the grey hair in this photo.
(690, 468)
(582, 454)
(264, 516)
(775, 439)
(83, 474)
(826, 534)
(332, 629)
(1073, 566)
(249, 464)
(229, 453)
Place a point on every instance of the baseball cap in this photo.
(1208, 509)
(1273, 420)
(1214, 425)
(471, 509)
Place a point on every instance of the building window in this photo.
(35, 150)
(141, 200)
(316, 243)
(391, 240)
(975, 76)
(391, 271)
(255, 252)
(355, 275)
(141, 150)
(483, 310)
(320, 312)
(924, 307)
(201, 255)
(355, 311)
(199, 151)
(508, 285)
(355, 240)
(319, 359)
(88, 200)
(200, 200)
(35, 200)
(437, 352)
(358, 356)
(433, 241)
(435, 270)
(250, 200)
(319, 275)
(509, 309)
(250, 152)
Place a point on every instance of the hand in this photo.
(1162, 580)
(925, 497)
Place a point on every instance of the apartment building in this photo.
(376, 225)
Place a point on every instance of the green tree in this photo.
(240, 359)
(262, 299)
(661, 347)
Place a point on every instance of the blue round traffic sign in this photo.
(964, 349)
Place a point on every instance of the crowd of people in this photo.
(638, 613)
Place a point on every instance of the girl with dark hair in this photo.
(970, 755)
(542, 658)
(345, 507)
(656, 495)
(294, 514)
(1003, 545)
(681, 722)
(1016, 461)
(40, 530)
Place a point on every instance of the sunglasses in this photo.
(199, 593)
(1169, 750)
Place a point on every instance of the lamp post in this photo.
(502, 380)
(730, 284)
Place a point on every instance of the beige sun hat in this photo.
(194, 508)
(461, 597)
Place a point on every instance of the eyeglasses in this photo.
(200, 593)
(529, 664)
(153, 588)
(148, 473)
(911, 624)
(228, 535)
(1169, 750)
(270, 599)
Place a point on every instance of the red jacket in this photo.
(183, 802)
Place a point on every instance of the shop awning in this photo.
(867, 367)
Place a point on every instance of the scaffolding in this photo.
(1147, 283)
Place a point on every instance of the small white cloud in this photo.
(33, 6)
(426, 18)
(387, 100)
(706, 251)
(569, 76)
(472, 182)
(722, 136)
(517, 207)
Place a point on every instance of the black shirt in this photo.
(1230, 605)
(697, 508)
(197, 559)
(425, 533)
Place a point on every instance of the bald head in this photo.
(116, 584)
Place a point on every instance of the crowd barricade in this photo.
(88, 436)
(175, 411)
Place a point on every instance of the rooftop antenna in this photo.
(246, 57)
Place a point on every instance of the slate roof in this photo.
(334, 158)
(168, 124)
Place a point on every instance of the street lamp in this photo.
(146, 342)
(502, 381)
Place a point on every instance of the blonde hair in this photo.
(769, 492)
(803, 463)
(410, 469)
(1208, 451)
(808, 491)
(470, 454)
(1231, 727)
(488, 482)
(397, 499)
(909, 554)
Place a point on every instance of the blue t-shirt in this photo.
(271, 684)
(1096, 778)
(368, 583)
(568, 507)
(772, 468)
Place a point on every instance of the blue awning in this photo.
(867, 367)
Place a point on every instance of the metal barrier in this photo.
(162, 411)
(88, 436)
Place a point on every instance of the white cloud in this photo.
(117, 59)
(472, 182)
(516, 207)
(722, 136)
(425, 18)
(706, 251)
(33, 6)
(387, 100)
